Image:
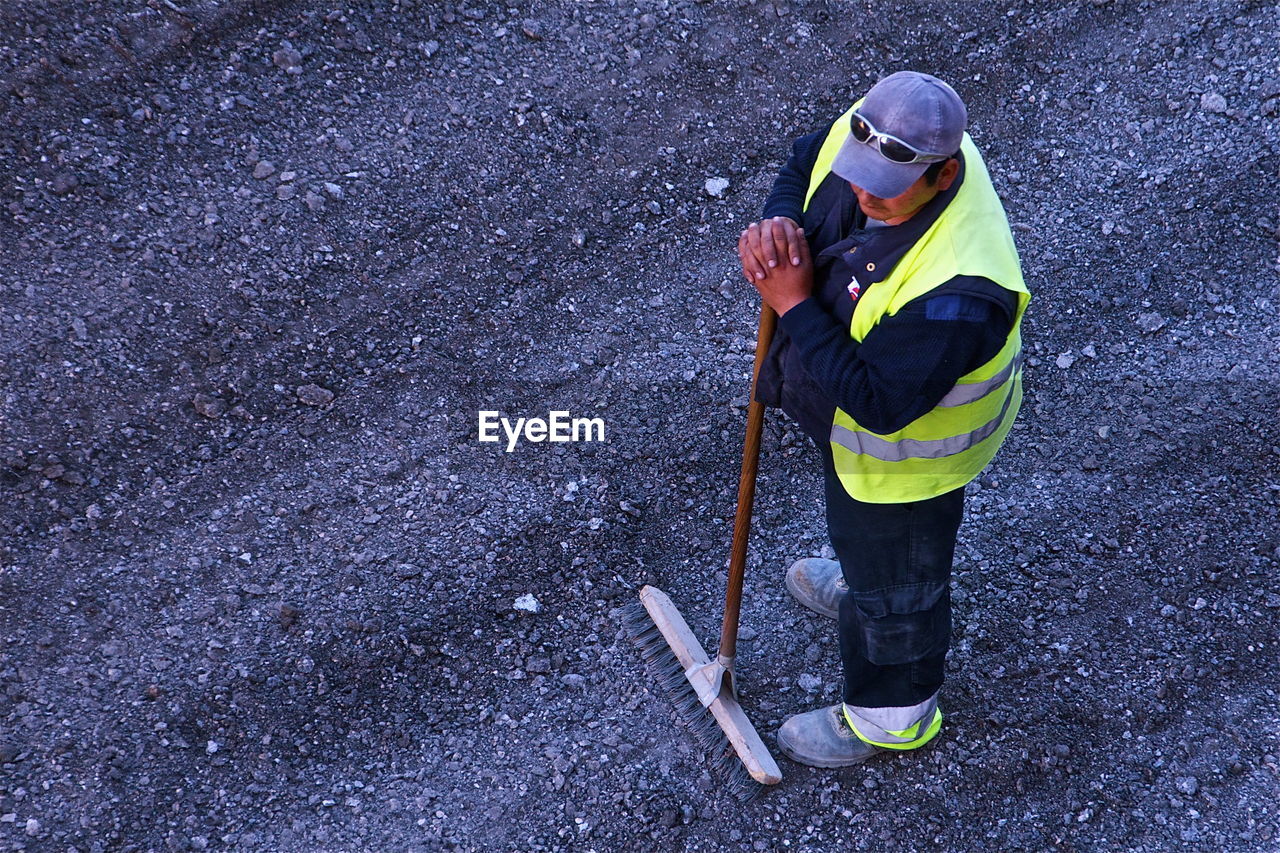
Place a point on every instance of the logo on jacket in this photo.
(854, 288)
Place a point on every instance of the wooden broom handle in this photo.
(746, 492)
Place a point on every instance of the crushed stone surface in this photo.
(264, 262)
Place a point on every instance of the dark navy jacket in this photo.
(910, 360)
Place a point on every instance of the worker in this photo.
(888, 258)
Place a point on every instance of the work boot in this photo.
(822, 738)
(817, 584)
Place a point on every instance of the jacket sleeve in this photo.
(907, 363)
(792, 184)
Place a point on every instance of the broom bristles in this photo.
(665, 668)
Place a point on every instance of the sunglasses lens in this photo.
(860, 130)
(896, 151)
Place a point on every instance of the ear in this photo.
(948, 174)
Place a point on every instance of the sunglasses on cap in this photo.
(890, 147)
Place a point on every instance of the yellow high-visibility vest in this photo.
(950, 444)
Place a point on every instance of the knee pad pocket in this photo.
(904, 624)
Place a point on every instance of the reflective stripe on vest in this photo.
(968, 393)
(876, 447)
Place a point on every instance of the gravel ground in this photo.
(264, 262)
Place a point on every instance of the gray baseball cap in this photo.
(920, 110)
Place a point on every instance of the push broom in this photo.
(705, 690)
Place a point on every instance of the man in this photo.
(888, 258)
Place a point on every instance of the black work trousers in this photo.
(895, 622)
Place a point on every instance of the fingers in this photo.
(783, 229)
(749, 252)
(797, 245)
(758, 238)
(769, 250)
(800, 256)
(763, 245)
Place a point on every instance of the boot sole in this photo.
(798, 596)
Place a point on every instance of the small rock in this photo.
(1065, 360)
(33, 826)
(333, 190)
(209, 407)
(288, 615)
(1187, 785)
(314, 201)
(284, 192)
(314, 395)
(746, 634)
(809, 683)
(715, 187)
(527, 603)
(64, 183)
(538, 665)
(573, 679)
(211, 747)
(532, 28)
(264, 169)
(1150, 322)
(653, 207)
(287, 59)
(1212, 102)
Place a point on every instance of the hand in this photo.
(786, 286)
(765, 244)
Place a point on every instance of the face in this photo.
(902, 207)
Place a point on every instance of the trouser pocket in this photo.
(903, 624)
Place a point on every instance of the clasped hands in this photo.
(775, 258)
